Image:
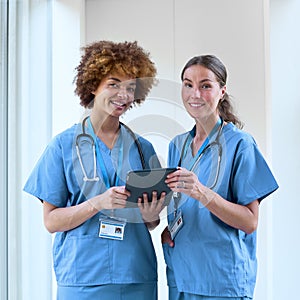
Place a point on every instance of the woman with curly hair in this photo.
(102, 248)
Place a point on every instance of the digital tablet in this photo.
(147, 181)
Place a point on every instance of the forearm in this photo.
(67, 218)
(238, 216)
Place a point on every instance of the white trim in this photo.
(14, 234)
(268, 235)
(30, 131)
(3, 151)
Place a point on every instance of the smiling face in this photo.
(114, 95)
(201, 93)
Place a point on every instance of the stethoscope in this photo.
(206, 145)
(91, 140)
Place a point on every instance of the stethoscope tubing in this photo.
(84, 134)
(215, 142)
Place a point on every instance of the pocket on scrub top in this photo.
(82, 260)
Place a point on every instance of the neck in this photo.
(105, 125)
(107, 129)
(204, 127)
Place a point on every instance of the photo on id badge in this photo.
(112, 229)
(176, 225)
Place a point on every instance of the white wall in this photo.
(174, 31)
(285, 65)
(68, 36)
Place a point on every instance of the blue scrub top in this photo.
(80, 257)
(211, 258)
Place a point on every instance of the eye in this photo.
(187, 85)
(205, 86)
(130, 89)
(114, 85)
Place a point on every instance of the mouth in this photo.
(119, 104)
(196, 105)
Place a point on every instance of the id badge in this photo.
(112, 228)
(175, 225)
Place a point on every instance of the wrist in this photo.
(94, 206)
(206, 195)
(152, 224)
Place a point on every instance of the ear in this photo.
(224, 88)
(223, 91)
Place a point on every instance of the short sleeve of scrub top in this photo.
(47, 180)
(251, 176)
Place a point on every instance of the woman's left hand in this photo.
(183, 181)
(150, 210)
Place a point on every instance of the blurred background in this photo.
(257, 40)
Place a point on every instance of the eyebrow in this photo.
(201, 81)
(118, 80)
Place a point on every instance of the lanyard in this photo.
(203, 146)
(197, 157)
(100, 160)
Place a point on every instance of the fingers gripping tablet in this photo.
(147, 181)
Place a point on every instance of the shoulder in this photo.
(67, 134)
(179, 140)
(133, 138)
(180, 137)
(64, 138)
(147, 151)
(241, 145)
(147, 147)
(145, 144)
(238, 137)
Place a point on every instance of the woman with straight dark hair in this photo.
(210, 242)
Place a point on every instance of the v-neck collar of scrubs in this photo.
(116, 147)
(189, 145)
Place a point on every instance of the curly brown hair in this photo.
(105, 57)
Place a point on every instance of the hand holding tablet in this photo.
(147, 181)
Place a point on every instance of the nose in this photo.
(195, 93)
(122, 92)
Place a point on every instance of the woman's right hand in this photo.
(67, 218)
(166, 237)
(114, 198)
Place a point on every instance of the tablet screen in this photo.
(147, 181)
